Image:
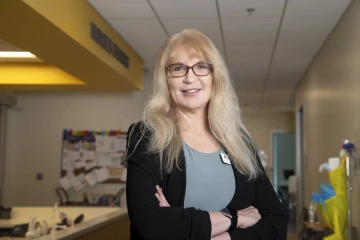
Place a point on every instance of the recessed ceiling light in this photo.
(16, 55)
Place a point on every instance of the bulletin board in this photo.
(92, 157)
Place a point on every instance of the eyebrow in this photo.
(185, 64)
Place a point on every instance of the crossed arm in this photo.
(220, 224)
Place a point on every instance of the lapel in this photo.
(174, 184)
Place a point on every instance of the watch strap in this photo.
(232, 215)
(234, 219)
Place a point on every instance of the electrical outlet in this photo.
(39, 176)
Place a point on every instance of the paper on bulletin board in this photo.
(102, 159)
(115, 159)
(80, 163)
(89, 164)
(111, 141)
(69, 158)
(115, 172)
(123, 175)
(102, 174)
(76, 183)
(82, 179)
(88, 155)
(120, 143)
(65, 183)
(101, 143)
(91, 178)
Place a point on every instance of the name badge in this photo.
(225, 158)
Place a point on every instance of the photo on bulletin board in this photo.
(90, 157)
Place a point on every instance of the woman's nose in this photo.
(190, 77)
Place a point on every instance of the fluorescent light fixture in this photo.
(16, 55)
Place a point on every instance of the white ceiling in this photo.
(267, 51)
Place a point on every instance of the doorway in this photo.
(284, 162)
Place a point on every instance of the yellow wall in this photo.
(330, 95)
(34, 74)
(59, 33)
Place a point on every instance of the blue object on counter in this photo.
(326, 192)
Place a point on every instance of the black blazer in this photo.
(149, 221)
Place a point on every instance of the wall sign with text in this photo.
(105, 42)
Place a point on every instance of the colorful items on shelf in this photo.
(71, 132)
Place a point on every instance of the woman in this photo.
(193, 172)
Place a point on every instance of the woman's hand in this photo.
(248, 217)
(223, 236)
(160, 196)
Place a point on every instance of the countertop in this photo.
(94, 217)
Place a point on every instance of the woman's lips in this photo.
(190, 92)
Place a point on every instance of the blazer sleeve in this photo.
(273, 222)
(148, 219)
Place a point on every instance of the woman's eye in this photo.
(179, 68)
(202, 66)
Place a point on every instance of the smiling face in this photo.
(190, 92)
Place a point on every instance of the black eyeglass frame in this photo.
(188, 67)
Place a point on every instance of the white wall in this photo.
(34, 136)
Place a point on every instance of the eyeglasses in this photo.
(199, 69)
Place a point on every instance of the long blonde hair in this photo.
(224, 119)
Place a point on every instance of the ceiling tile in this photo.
(184, 9)
(297, 49)
(145, 36)
(325, 23)
(203, 25)
(186, 1)
(215, 37)
(249, 52)
(248, 75)
(149, 26)
(263, 8)
(232, 37)
(251, 24)
(306, 36)
(284, 81)
(316, 8)
(150, 65)
(124, 10)
(286, 65)
(249, 62)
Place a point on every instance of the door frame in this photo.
(272, 154)
(299, 165)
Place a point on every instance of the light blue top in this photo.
(210, 183)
